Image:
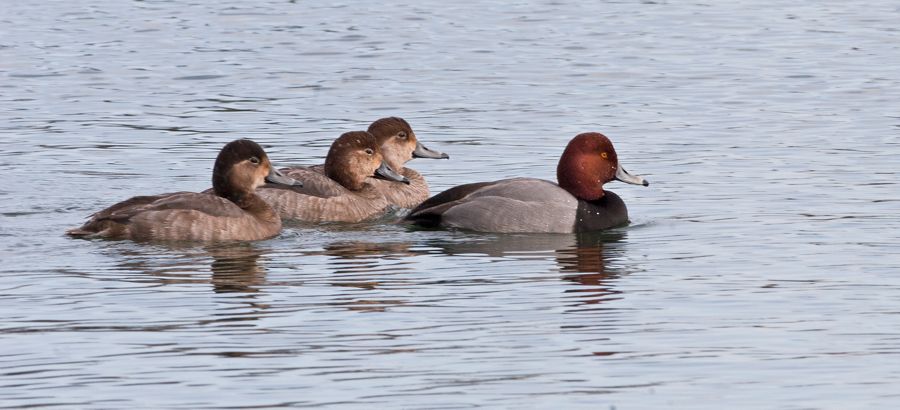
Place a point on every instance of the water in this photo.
(760, 269)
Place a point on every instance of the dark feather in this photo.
(428, 213)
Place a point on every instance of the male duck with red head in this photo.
(341, 191)
(577, 204)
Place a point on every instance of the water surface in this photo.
(760, 269)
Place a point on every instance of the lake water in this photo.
(761, 268)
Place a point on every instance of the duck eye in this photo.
(369, 151)
(254, 160)
(604, 155)
(402, 134)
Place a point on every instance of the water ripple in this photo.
(759, 268)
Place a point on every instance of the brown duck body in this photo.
(399, 144)
(323, 199)
(397, 194)
(183, 216)
(229, 212)
(339, 190)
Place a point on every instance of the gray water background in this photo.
(760, 270)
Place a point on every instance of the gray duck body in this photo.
(519, 205)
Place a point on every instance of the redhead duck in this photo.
(577, 204)
(233, 212)
(399, 145)
(341, 193)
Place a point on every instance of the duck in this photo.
(399, 145)
(576, 203)
(341, 192)
(231, 212)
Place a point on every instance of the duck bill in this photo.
(422, 151)
(626, 177)
(276, 177)
(385, 172)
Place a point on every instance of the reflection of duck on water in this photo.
(365, 265)
(582, 255)
(587, 263)
(363, 249)
(574, 253)
(236, 268)
(233, 268)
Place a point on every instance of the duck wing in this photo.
(429, 213)
(128, 205)
(208, 204)
(510, 205)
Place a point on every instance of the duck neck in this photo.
(580, 177)
(368, 190)
(394, 161)
(254, 205)
(346, 179)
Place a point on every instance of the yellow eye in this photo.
(604, 155)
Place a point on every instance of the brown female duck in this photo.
(341, 192)
(399, 145)
(232, 213)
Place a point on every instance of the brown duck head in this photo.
(241, 167)
(399, 144)
(355, 156)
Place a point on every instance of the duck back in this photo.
(323, 200)
(511, 205)
(182, 216)
(400, 195)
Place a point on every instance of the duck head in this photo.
(588, 162)
(241, 167)
(355, 156)
(399, 143)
